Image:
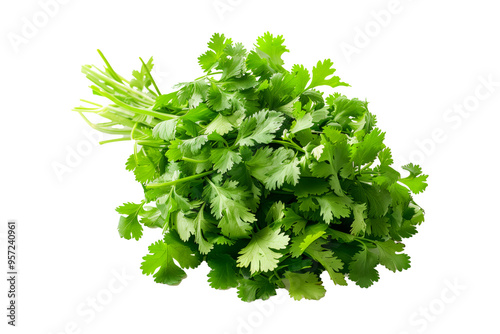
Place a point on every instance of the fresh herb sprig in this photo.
(251, 169)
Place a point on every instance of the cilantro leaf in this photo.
(217, 44)
(258, 254)
(272, 48)
(259, 128)
(301, 242)
(165, 130)
(306, 285)
(362, 268)
(223, 273)
(415, 181)
(366, 151)
(129, 226)
(167, 258)
(225, 202)
(224, 159)
(321, 72)
(333, 206)
(326, 258)
(390, 259)
(255, 288)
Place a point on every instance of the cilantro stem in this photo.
(184, 179)
(103, 129)
(367, 166)
(356, 238)
(286, 143)
(111, 71)
(153, 143)
(135, 109)
(90, 102)
(102, 78)
(132, 132)
(194, 160)
(206, 75)
(150, 77)
(113, 140)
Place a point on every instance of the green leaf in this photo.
(305, 122)
(219, 99)
(145, 164)
(301, 242)
(224, 159)
(224, 124)
(151, 217)
(416, 182)
(223, 273)
(272, 48)
(311, 186)
(366, 151)
(321, 75)
(256, 288)
(184, 225)
(362, 268)
(141, 78)
(201, 225)
(390, 259)
(326, 258)
(165, 130)
(217, 44)
(166, 259)
(333, 206)
(302, 78)
(293, 220)
(129, 226)
(259, 128)
(287, 172)
(259, 254)
(358, 226)
(378, 199)
(306, 285)
(226, 202)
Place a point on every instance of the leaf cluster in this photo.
(251, 168)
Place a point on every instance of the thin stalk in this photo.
(104, 129)
(194, 160)
(206, 75)
(134, 109)
(112, 72)
(182, 180)
(286, 143)
(113, 140)
(97, 73)
(150, 77)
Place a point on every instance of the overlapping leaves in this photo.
(251, 169)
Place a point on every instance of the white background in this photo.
(426, 57)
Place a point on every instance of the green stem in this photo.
(206, 75)
(150, 77)
(174, 182)
(286, 143)
(367, 166)
(98, 74)
(194, 160)
(103, 129)
(113, 140)
(112, 72)
(134, 109)
(132, 132)
(152, 143)
(358, 239)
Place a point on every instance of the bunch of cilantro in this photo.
(251, 169)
